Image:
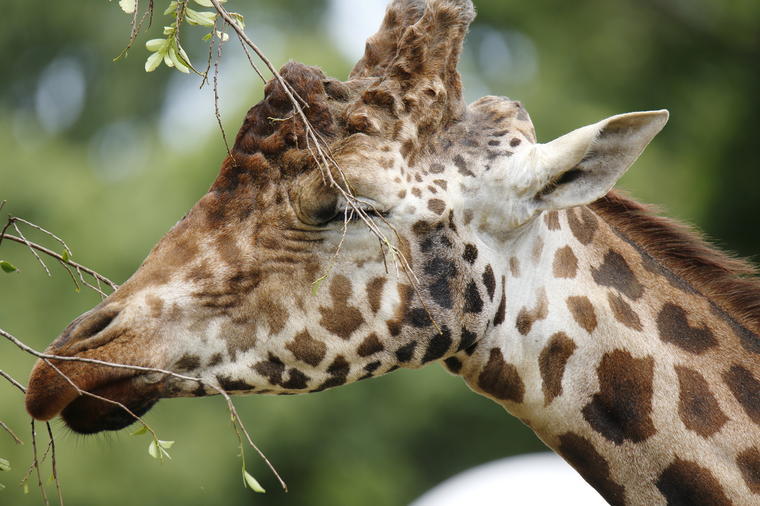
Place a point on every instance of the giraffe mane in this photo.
(682, 254)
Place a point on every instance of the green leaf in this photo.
(153, 450)
(7, 267)
(176, 61)
(157, 449)
(139, 432)
(153, 62)
(154, 45)
(251, 482)
(2, 487)
(207, 3)
(65, 255)
(128, 6)
(5, 465)
(25, 488)
(206, 37)
(200, 18)
(172, 9)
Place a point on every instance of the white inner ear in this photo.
(582, 166)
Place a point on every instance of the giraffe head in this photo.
(229, 294)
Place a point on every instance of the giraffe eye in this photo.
(346, 212)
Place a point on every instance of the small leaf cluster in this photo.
(6, 466)
(169, 50)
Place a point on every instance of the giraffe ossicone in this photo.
(624, 341)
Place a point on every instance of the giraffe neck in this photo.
(643, 383)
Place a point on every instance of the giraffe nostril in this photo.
(94, 324)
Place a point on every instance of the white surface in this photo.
(536, 479)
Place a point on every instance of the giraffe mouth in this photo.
(88, 415)
(49, 394)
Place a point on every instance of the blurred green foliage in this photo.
(387, 440)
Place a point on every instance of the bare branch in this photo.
(80, 268)
(11, 379)
(7, 429)
(36, 466)
(53, 464)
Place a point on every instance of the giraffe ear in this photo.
(583, 165)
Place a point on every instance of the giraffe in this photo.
(628, 344)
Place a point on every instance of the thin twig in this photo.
(11, 379)
(44, 231)
(53, 464)
(60, 258)
(217, 113)
(7, 429)
(36, 465)
(29, 245)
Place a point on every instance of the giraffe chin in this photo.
(88, 415)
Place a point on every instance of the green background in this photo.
(110, 183)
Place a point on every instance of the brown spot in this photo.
(689, 484)
(438, 206)
(338, 372)
(489, 281)
(271, 369)
(441, 182)
(155, 304)
(538, 248)
(500, 379)
(552, 362)
(468, 216)
(515, 142)
(581, 454)
(622, 408)
(470, 253)
(527, 317)
(276, 315)
(462, 166)
(582, 223)
(375, 293)
(749, 465)
(674, 328)
(370, 346)
(623, 312)
(514, 267)
(402, 194)
(453, 364)
(697, 407)
(502, 309)
(432, 189)
(582, 311)
(436, 168)
(215, 359)
(416, 192)
(307, 349)
(341, 319)
(552, 220)
(615, 273)
(746, 389)
(565, 263)
(473, 303)
(187, 363)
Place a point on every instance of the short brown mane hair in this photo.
(731, 282)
